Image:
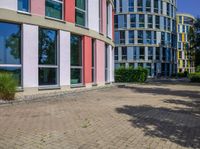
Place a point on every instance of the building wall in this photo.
(186, 59)
(65, 28)
(132, 23)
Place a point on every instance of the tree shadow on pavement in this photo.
(164, 91)
(179, 126)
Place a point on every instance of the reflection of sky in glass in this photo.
(6, 31)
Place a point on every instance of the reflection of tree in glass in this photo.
(47, 46)
(76, 52)
(14, 43)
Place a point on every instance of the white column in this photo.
(9, 4)
(64, 58)
(30, 56)
(93, 15)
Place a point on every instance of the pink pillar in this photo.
(38, 7)
(70, 11)
(100, 61)
(104, 19)
(87, 60)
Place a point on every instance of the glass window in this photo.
(168, 9)
(140, 37)
(106, 64)
(141, 20)
(124, 53)
(133, 20)
(10, 49)
(163, 38)
(131, 5)
(116, 54)
(76, 59)
(54, 9)
(150, 21)
(157, 53)
(156, 6)
(131, 37)
(150, 53)
(23, 5)
(48, 67)
(93, 60)
(148, 37)
(157, 22)
(140, 5)
(155, 37)
(148, 5)
(81, 12)
(142, 53)
(122, 37)
(122, 21)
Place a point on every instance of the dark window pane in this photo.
(47, 47)
(23, 5)
(47, 76)
(80, 18)
(53, 9)
(80, 4)
(76, 50)
(16, 72)
(76, 75)
(10, 43)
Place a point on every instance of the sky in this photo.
(189, 6)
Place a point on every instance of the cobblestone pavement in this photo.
(132, 116)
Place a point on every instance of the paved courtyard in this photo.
(165, 115)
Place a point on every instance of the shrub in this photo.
(182, 74)
(8, 86)
(195, 77)
(131, 75)
(198, 68)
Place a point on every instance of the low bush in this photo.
(195, 77)
(182, 74)
(131, 75)
(198, 68)
(8, 86)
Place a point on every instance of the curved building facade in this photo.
(186, 57)
(57, 44)
(145, 35)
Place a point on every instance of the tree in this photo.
(194, 39)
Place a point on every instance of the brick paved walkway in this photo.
(136, 116)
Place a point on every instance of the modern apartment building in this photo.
(186, 57)
(145, 35)
(57, 44)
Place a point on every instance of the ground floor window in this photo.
(93, 61)
(106, 63)
(48, 61)
(76, 60)
(10, 50)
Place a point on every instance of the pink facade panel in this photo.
(70, 11)
(104, 16)
(38, 7)
(87, 59)
(100, 61)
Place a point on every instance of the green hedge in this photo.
(195, 77)
(8, 86)
(131, 75)
(182, 74)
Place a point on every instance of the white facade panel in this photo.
(93, 15)
(30, 56)
(64, 58)
(8, 4)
